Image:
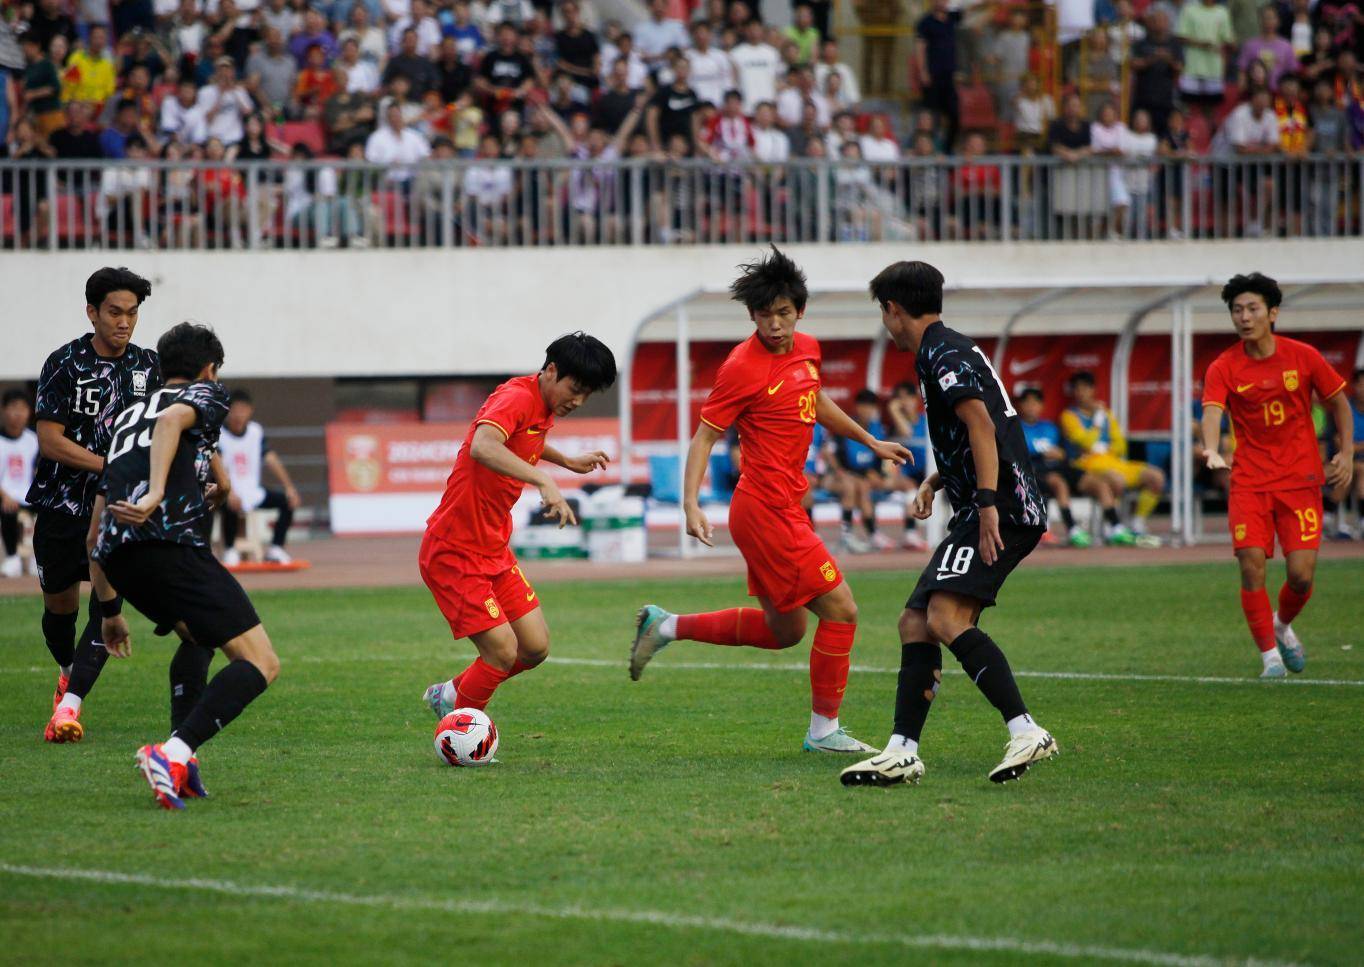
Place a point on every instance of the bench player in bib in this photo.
(1266, 382)
(465, 557)
(999, 516)
(769, 388)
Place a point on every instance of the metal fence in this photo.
(263, 205)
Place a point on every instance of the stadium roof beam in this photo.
(1127, 339)
(1026, 309)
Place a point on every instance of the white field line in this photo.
(653, 918)
(768, 666)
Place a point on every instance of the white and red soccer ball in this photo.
(466, 737)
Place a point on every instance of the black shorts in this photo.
(956, 565)
(178, 582)
(59, 550)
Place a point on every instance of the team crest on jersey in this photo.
(814, 373)
(1290, 380)
(140, 382)
(493, 610)
(1240, 532)
(827, 569)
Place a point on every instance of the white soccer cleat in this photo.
(914, 542)
(1274, 669)
(1022, 751)
(1290, 648)
(836, 741)
(435, 700)
(12, 567)
(853, 544)
(274, 554)
(884, 769)
(231, 557)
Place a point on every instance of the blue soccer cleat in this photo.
(1290, 648)
(193, 786)
(160, 774)
(649, 640)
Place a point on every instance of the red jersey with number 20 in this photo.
(771, 398)
(475, 513)
(1270, 402)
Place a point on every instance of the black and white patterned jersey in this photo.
(952, 368)
(128, 466)
(84, 392)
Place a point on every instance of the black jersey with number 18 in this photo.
(952, 368)
(128, 467)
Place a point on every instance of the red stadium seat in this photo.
(71, 218)
(393, 209)
(977, 107)
(303, 132)
(6, 217)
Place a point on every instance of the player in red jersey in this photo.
(1266, 383)
(465, 559)
(769, 388)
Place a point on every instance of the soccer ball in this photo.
(466, 737)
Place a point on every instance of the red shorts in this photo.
(473, 594)
(1256, 516)
(787, 562)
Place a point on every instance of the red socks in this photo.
(830, 657)
(1291, 602)
(1260, 617)
(737, 626)
(475, 685)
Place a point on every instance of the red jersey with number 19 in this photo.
(1270, 402)
(771, 398)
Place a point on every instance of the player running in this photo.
(1266, 383)
(84, 385)
(769, 387)
(1000, 515)
(465, 559)
(149, 547)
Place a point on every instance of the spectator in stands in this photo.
(712, 71)
(1102, 72)
(147, 51)
(224, 103)
(361, 29)
(246, 453)
(1174, 146)
(1269, 49)
(181, 118)
(1125, 31)
(95, 78)
(756, 63)
(729, 136)
(829, 64)
(1007, 59)
(1252, 128)
(799, 95)
(518, 13)
(878, 147)
(272, 72)
(832, 90)
(1139, 145)
(616, 101)
(49, 20)
(1244, 16)
(862, 476)
(224, 194)
(926, 188)
(1320, 62)
(910, 426)
(347, 117)
(186, 32)
(506, 75)
(808, 130)
(1298, 26)
(577, 51)
(1295, 140)
(1096, 445)
(18, 456)
(315, 85)
(28, 186)
(1051, 468)
(362, 77)
(419, 72)
(314, 32)
(397, 146)
(113, 140)
(856, 215)
(592, 192)
(659, 34)
(123, 189)
(1330, 137)
(1156, 64)
(42, 88)
(431, 188)
(803, 33)
(1073, 188)
(420, 19)
(1345, 20)
(843, 128)
(237, 33)
(976, 188)
(281, 15)
(1106, 140)
(672, 110)
(461, 28)
(137, 89)
(935, 48)
(487, 193)
(770, 143)
(1204, 27)
(1032, 113)
(76, 141)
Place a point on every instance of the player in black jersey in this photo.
(83, 386)
(999, 516)
(147, 544)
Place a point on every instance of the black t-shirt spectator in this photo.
(238, 45)
(79, 144)
(940, 39)
(506, 70)
(453, 80)
(153, 62)
(675, 109)
(1154, 86)
(578, 50)
(1059, 134)
(612, 109)
(419, 71)
(45, 28)
(128, 14)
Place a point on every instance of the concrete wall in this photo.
(487, 311)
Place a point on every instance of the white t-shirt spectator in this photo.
(428, 35)
(361, 78)
(635, 71)
(791, 105)
(1138, 147)
(756, 66)
(654, 37)
(17, 458)
(1032, 115)
(186, 124)
(488, 184)
(1243, 130)
(771, 145)
(373, 47)
(223, 112)
(851, 93)
(396, 149)
(189, 38)
(515, 12)
(396, 9)
(712, 73)
(878, 150)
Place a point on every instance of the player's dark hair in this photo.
(916, 287)
(109, 279)
(1262, 285)
(1082, 378)
(15, 394)
(239, 396)
(585, 358)
(1030, 392)
(867, 396)
(186, 349)
(772, 277)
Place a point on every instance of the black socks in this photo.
(920, 673)
(59, 631)
(986, 665)
(188, 679)
(231, 690)
(90, 658)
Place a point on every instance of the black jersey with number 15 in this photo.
(128, 466)
(952, 368)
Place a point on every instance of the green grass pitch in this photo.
(676, 820)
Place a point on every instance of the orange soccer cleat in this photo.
(62, 681)
(64, 726)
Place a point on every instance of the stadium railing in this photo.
(291, 205)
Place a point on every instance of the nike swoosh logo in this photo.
(92, 379)
(1242, 389)
(534, 432)
(773, 389)
(1018, 368)
(530, 596)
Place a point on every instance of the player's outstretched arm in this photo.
(831, 416)
(177, 418)
(698, 458)
(114, 627)
(489, 447)
(583, 463)
(53, 444)
(981, 430)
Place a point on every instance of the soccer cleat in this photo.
(914, 542)
(274, 554)
(62, 682)
(64, 726)
(884, 769)
(192, 786)
(649, 641)
(435, 700)
(13, 567)
(1290, 648)
(854, 544)
(1022, 751)
(165, 777)
(836, 741)
(1049, 539)
(1079, 537)
(880, 542)
(1274, 669)
(1148, 541)
(1120, 537)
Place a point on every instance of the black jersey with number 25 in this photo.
(952, 368)
(84, 392)
(128, 466)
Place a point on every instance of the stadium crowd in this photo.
(708, 85)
